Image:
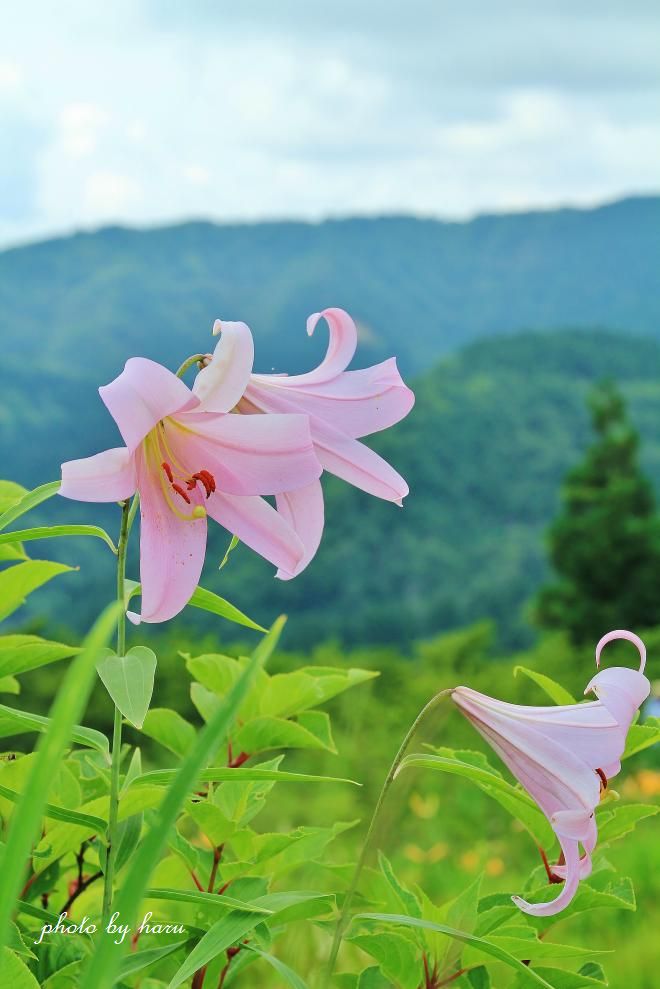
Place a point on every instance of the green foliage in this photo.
(249, 880)
(605, 544)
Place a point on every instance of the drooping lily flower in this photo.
(342, 406)
(564, 757)
(187, 464)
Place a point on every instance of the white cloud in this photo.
(153, 111)
(107, 195)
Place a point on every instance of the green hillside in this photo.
(420, 288)
(494, 429)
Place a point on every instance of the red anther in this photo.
(168, 470)
(603, 779)
(209, 476)
(191, 484)
(207, 480)
(179, 490)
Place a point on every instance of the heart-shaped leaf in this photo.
(129, 680)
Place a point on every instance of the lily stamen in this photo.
(603, 780)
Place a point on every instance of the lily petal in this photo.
(259, 526)
(303, 509)
(171, 550)
(247, 455)
(143, 394)
(572, 871)
(107, 476)
(341, 346)
(356, 463)
(220, 385)
(357, 402)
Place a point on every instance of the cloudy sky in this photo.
(147, 111)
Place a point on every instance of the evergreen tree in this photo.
(605, 544)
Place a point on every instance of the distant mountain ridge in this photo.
(419, 288)
(499, 415)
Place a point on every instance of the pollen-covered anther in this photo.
(168, 471)
(207, 479)
(179, 490)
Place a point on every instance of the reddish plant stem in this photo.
(217, 855)
(196, 881)
(198, 978)
(552, 876)
(81, 887)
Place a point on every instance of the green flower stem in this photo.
(127, 516)
(195, 359)
(344, 918)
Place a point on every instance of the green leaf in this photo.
(396, 954)
(475, 767)
(13, 552)
(479, 978)
(60, 813)
(101, 971)
(206, 900)
(283, 970)
(642, 737)
(170, 730)
(14, 972)
(69, 705)
(617, 820)
(208, 601)
(263, 734)
(138, 960)
(129, 680)
(9, 685)
(10, 494)
(406, 900)
(242, 774)
(27, 501)
(53, 531)
(21, 653)
(129, 831)
(554, 690)
(64, 838)
(482, 945)
(291, 693)
(233, 543)
(561, 979)
(233, 928)
(18, 581)
(14, 722)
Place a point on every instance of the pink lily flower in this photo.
(188, 463)
(564, 757)
(342, 406)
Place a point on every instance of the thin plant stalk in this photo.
(127, 516)
(344, 917)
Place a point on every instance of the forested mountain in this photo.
(494, 430)
(498, 419)
(419, 288)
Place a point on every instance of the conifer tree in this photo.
(605, 543)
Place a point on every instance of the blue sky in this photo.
(150, 111)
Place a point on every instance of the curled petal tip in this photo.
(217, 328)
(133, 617)
(311, 322)
(622, 633)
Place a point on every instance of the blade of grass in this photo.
(200, 898)
(102, 969)
(67, 709)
